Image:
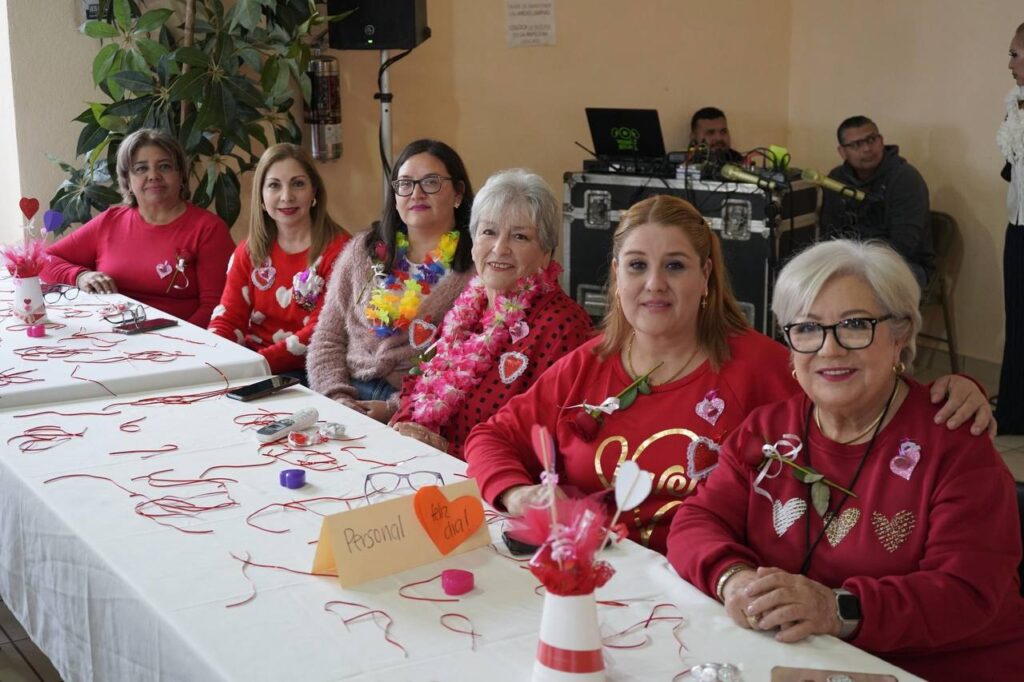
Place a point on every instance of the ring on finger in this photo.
(753, 620)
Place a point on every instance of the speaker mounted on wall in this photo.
(378, 24)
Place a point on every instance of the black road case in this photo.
(594, 203)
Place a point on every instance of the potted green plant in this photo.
(222, 80)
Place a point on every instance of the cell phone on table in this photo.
(144, 326)
(518, 547)
(262, 388)
(781, 673)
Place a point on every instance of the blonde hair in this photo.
(263, 229)
(715, 323)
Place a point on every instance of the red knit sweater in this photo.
(557, 325)
(141, 258)
(664, 432)
(266, 320)
(933, 557)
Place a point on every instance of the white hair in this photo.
(521, 189)
(877, 264)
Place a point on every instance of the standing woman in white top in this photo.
(1010, 411)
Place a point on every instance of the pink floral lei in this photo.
(464, 356)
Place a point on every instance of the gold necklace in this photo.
(633, 373)
(870, 426)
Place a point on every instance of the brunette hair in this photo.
(385, 230)
(853, 122)
(146, 137)
(715, 323)
(263, 229)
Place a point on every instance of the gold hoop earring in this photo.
(794, 374)
(899, 368)
(314, 203)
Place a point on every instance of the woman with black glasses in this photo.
(392, 286)
(846, 510)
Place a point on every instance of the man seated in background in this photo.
(709, 127)
(896, 208)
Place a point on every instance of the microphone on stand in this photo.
(825, 182)
(766, 180)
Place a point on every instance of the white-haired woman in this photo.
(846, 510)
(509, 324)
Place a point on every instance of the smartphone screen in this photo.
(144, 326)
(262, 388)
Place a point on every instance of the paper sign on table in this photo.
(389, 537)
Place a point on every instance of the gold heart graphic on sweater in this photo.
(841, 526)
(892, 533)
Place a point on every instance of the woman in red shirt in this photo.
(157, 247)
(277, 276)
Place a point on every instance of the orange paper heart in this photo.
(448, 523)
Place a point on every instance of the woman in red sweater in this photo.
(510, 323)
(277, 276)
(156, 248)
(675, 334)
(846, 510)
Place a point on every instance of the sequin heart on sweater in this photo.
(893, 532)
(785, 515)
(836, 529)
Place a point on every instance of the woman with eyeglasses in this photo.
(510, 323)
(675, 371)
(846, 510)
(391, 287)
(156, 247)
(277, 276)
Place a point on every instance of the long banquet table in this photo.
(111, 595)
(80, 357)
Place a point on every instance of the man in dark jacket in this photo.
(708, 126)
(896, 207)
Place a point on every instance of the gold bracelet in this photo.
(724, 578)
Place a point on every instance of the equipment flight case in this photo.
(758, 231)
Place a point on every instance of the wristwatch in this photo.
(848, 610)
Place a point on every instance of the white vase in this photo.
(28, 305)
(569, 649)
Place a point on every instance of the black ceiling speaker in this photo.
(378, 24)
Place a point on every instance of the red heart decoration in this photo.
(29, 207)
(420, 333)
(701, 458)
(448, 523)
(511, 365)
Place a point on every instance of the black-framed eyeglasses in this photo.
(431, 184)
(857, 144)
(383, 482)
(54, 292)
(854, 333)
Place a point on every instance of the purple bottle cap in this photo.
(293, 478)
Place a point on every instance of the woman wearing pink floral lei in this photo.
(509, 324)
(676, 370)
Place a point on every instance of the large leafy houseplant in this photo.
(221, 80)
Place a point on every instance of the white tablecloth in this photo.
(110, 595)
(107, 357)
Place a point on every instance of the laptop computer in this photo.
(626, 134)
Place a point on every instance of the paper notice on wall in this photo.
(529, 23)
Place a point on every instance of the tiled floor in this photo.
(20, 659)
